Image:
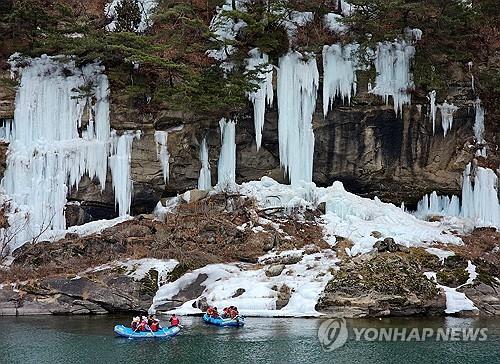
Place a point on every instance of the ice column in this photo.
(161, 139)
(205, 179)
(146, 7)
(392, 63)
(119, 164)
(264, 95)
(480, 200)
(339, 79)
(432, 103)
(447, 111)
(479, 122)
(298, 81)
(226, 172)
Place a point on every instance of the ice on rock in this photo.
(264, 95)
(447, 111)
(226, 171)
(226, 29)
(339, 79)
(433, 109)
(479, 122)
(161, 140)
(146, 8)
(440, 253)
(480, 197)
(205, 178)
(332, 23)
(298, 81)
(392, 63)
(306, 279)
(349, 215)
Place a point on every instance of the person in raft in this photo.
(212, 312)
(174, 321)
(135, 323)
(143, 325)
(154, 323)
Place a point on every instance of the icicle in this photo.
(119, 164)
(264, 94)
(7, 130)
(297, 90)
(479, 122)
(432, 102)
(205, 179)
(438, 205)
(392, 63)
(470, 64)
(480, 202)
(447, 111)
(339, 78)
(226, 173)
(47, 155)
(161, 140)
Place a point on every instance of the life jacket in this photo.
(210, 311)
(142, 326)
(154, 326)
(174, 321)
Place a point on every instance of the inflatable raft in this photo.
(238, 321)
(121, 330)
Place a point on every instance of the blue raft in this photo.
(238, 321)
(121, 330)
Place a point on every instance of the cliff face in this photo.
(364, 145)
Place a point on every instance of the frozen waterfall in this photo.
(433, 109)
(438, 205)
(264, 95)
(392, 63)
(205, 178)
(447, 111)
(226, 173)
(339, 79)
(58, 135)
(161, 139)
(480, 197)
(298, 81)
(479, 122)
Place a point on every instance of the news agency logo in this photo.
(333, 334)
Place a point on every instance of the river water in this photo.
(90, 339)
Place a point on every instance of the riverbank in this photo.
(227, 249)
(61, 339)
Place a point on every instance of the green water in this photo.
(91, 340)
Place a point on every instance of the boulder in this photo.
(275, 270)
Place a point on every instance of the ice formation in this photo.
(298, 81)
(52, 144)
(307, 280)
(392, 63)
(433, 109)
(264, 95)
(480, 197)
(349, 215)
(226, 30)
(479, 122)
(7, 130)
(161, 140)
(339, 79)
(447, 111)
(146, 7)
(226, 171)
(438, 205)
(205, 178)
(119, 164)
(332, 22)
